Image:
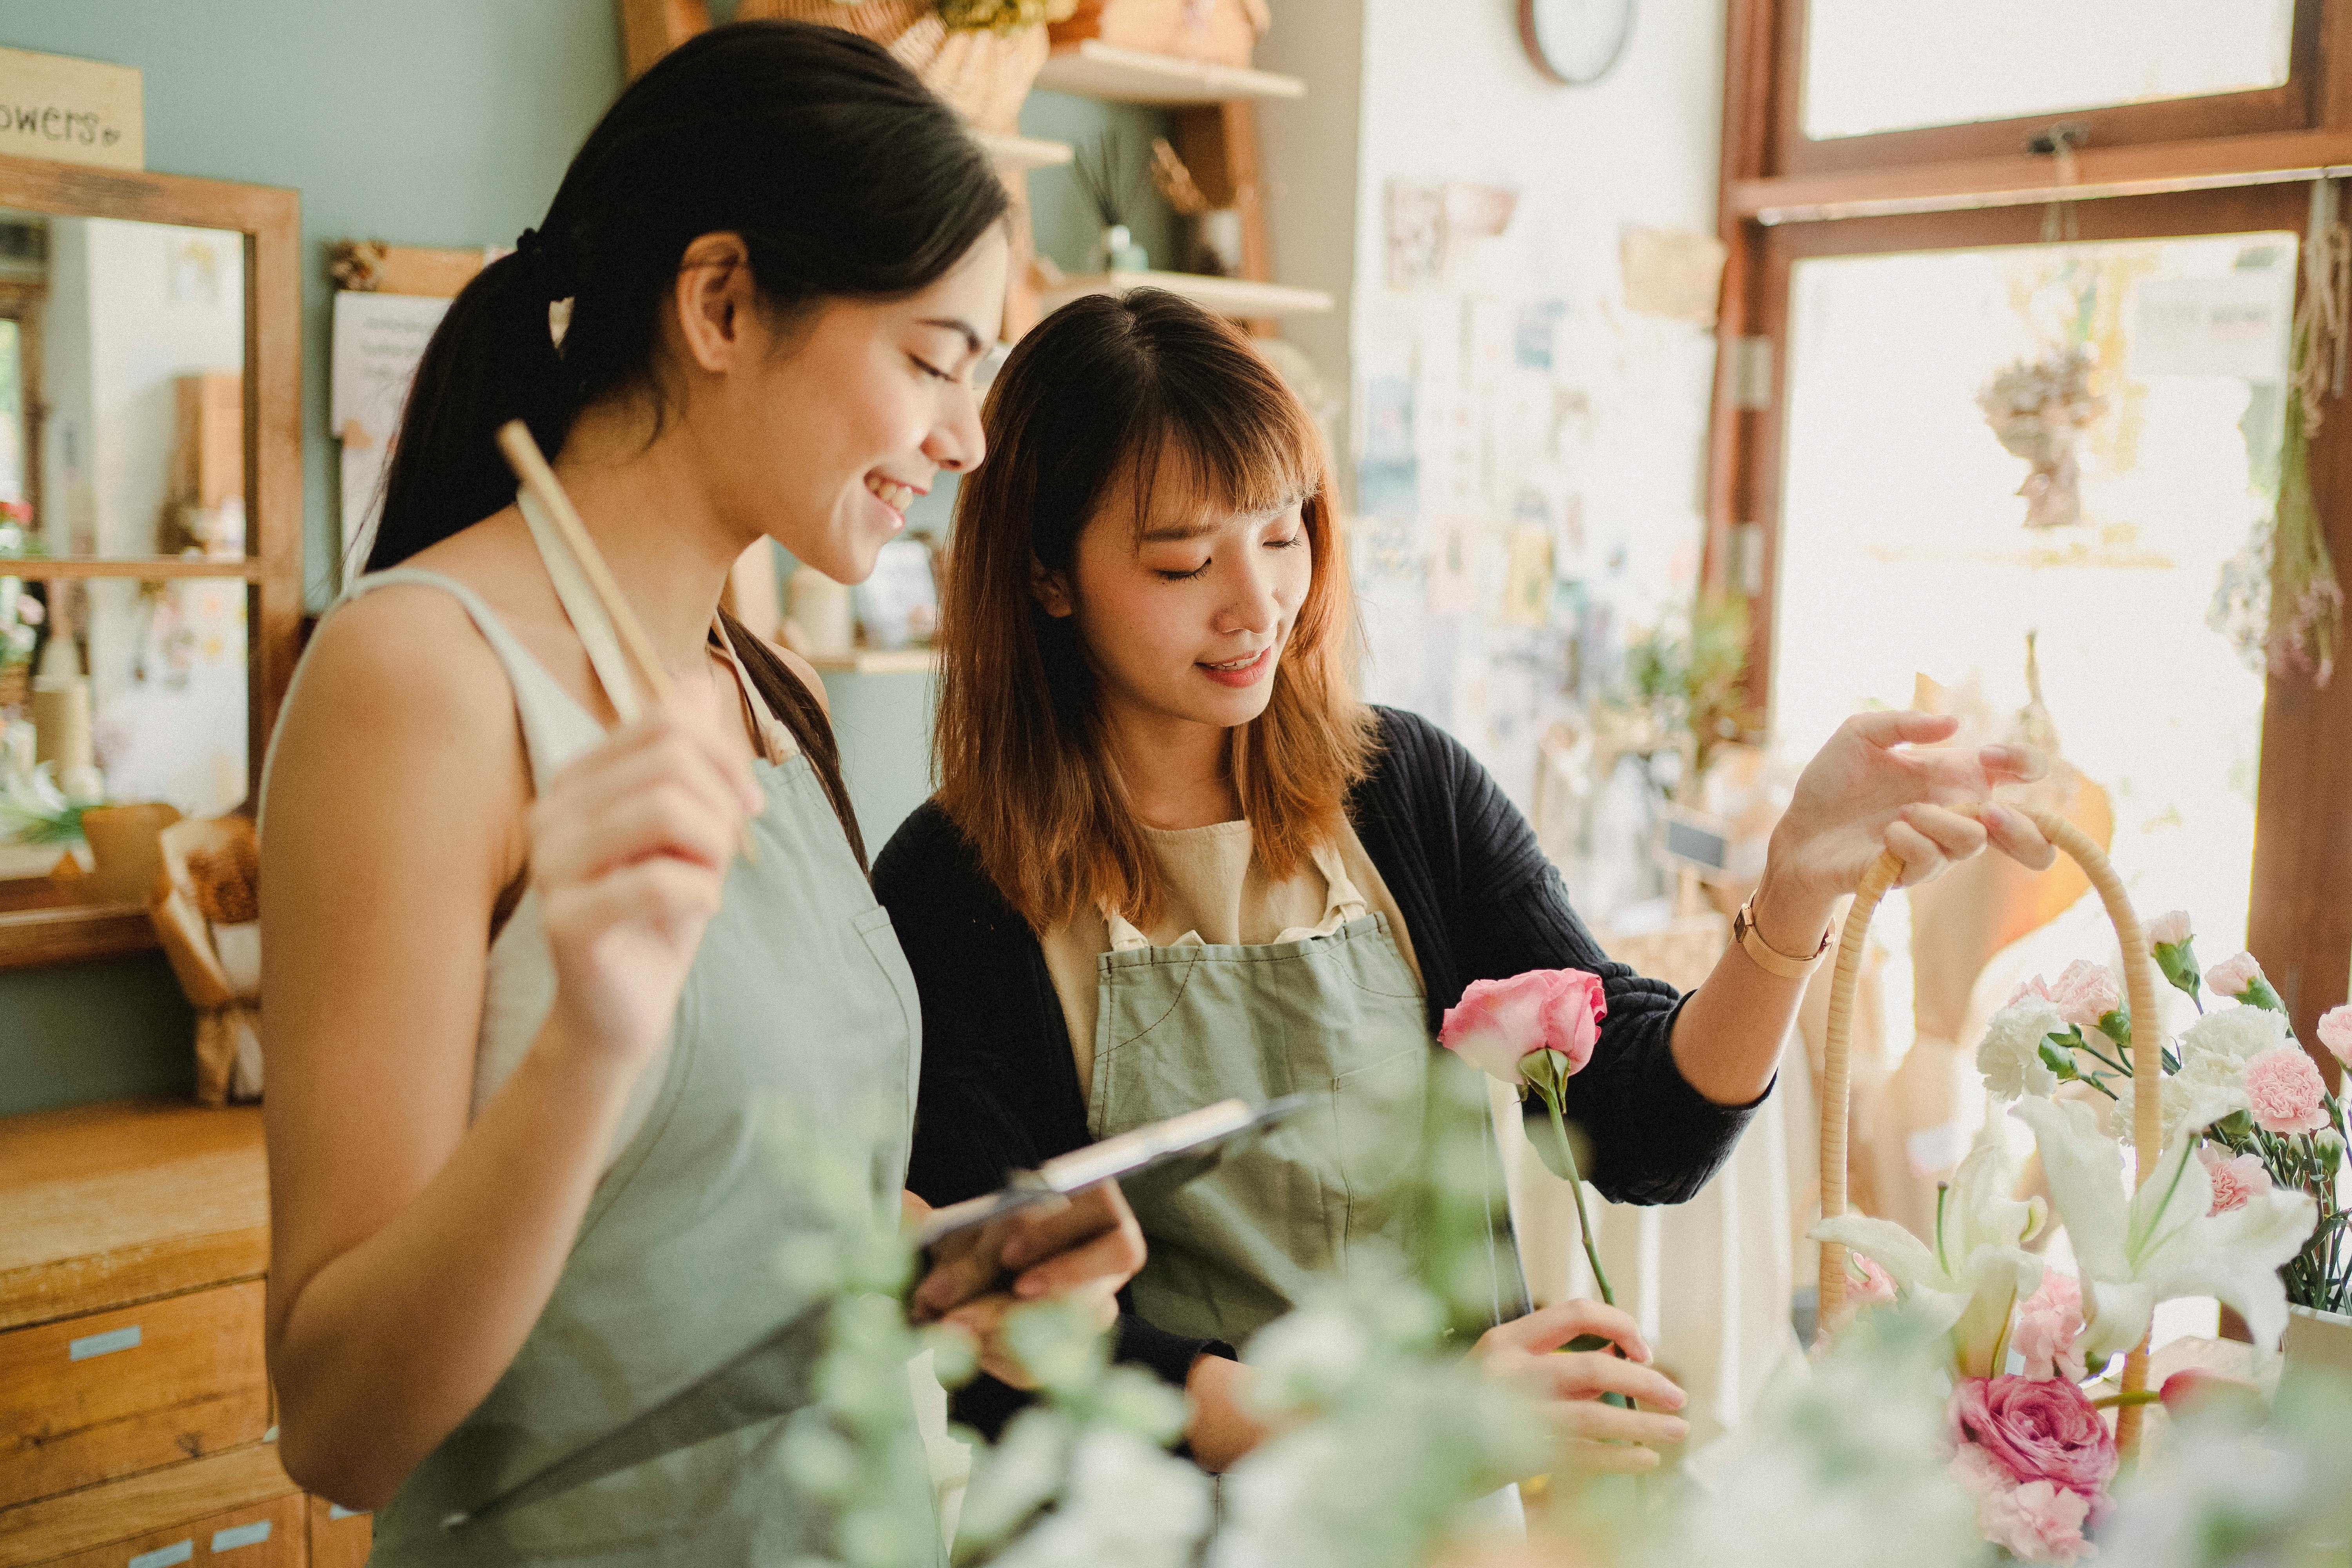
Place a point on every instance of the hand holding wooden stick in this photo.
(530, 469)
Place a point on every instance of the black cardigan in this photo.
(1480, 901)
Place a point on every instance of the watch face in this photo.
(1575, 41)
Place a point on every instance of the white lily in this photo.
(2159, 1242)
(1971, 1275)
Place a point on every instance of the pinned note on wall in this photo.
(2228, 323)
(378, 339)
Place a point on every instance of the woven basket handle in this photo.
(2148, 1058)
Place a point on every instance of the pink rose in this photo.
(2037, 1429)
(1498, 1023)
(2285, 1090)
(2085, 993)
(2234, 1181)
(2233, 977)
(2048, 1323)
(2037, 1522)
(2336, 1033)
(1874, 1288)
(2169, 928)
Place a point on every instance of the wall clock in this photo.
(1575, 41)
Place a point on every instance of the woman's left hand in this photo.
(1083, 1251)
(1883, 783)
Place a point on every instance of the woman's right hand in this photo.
(1597, 1437)
(629, 847)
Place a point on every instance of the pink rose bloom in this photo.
(2234, 1181)
(1874, 1288)
(1499, 1023)
(2037, 1429)
(2336, 1033)
(2284, 1089)
(2085, 993)
(2048, 1323)
(2233, 977)
(2169, 928)
(2037, 1522)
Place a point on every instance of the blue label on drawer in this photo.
(105, 1343)
(337, 1511)
(252, 1534)
(165, 1556)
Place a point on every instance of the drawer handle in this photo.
(107, 1343)
(165, 1556)
(252, 1534)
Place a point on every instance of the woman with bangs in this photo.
(1174, 860)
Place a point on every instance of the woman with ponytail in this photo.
(528, 1008)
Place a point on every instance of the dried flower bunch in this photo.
(2038, 409)
(998, 15)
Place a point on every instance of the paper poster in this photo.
(1526, 578)
(1416, 233)
(1388, 474)
(2232, 323)
(378, 340)
(1672, 273)
(1453, 569)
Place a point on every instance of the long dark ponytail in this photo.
(846, 178)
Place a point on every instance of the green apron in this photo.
(798, 994)
(1334, 1011)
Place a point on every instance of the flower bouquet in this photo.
(2038, 410)
(2030, 1444)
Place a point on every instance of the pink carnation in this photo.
(2085, 993)
(2336, 1033)
(2233, 977)
(2285, 1090)
(2234, 1180)
(2037, 1429)
(1500, 1023)
(2169, 928)
(2037, 1522)
(1874, 1288)
(2035, 987)
(2048, 1323)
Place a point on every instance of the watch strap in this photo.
(1766, 957)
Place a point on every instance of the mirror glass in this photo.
(121, 440)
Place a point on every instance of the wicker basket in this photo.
(2139, 980)
(984, 74)
(1223, 31)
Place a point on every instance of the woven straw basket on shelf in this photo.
(984, 74)
(2148, 1058)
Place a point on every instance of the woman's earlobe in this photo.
(1050, 589)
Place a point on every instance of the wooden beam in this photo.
(2154, 169)
(651, 28)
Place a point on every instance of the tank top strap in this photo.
(555, 727)
(584, 610)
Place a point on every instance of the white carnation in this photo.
(2234, 1035)
(2201, 1093)
(2010, 1056)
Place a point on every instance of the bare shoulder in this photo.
(807, 674)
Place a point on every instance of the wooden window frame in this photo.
(2293, 105)
(2299, 922)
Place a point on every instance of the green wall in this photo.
(427, 122)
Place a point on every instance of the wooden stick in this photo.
(530, 466)
(523, 455)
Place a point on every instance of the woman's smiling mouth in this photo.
(1241, 671)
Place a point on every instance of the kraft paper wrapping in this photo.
(228, 1010)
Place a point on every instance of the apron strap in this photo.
(1342, 905)
(775, 740)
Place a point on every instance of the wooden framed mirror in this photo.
(151, 547)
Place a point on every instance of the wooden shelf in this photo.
(1236, 296)
(1024, 152)
(146, 568)
(30, 938)
(877, 661)
(1096, 69)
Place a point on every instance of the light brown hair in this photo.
(1099, 392)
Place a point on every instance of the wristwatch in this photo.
(1766, 957)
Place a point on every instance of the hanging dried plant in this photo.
(2038, 409)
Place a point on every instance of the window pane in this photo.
(1894, 64)
(1904, 548)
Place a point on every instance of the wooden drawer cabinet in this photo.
(89, 1398)
(134, 1400)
